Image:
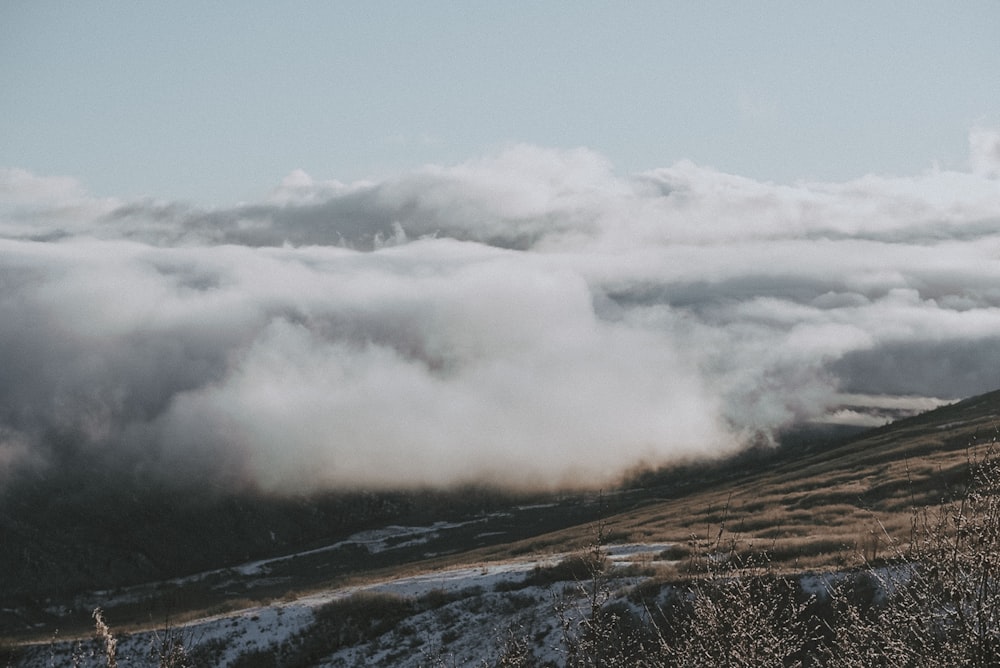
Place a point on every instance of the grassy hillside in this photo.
(815, 504)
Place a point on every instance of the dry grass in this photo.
(832, 508)
(825, 510)
(936, 603)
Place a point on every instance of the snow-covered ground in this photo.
(450, 617)
(374, 541)
(475, 608)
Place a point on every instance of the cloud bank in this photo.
(530, 318)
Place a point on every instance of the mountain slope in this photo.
(822, 506)
(813, 506)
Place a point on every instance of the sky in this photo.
(214, 103)
(337, 246)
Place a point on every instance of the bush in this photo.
(574, 568)
(941, 602)
(934, 602)
(347, 622)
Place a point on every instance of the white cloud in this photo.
(38, 206)
(530, 317)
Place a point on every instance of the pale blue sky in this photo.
(215, 102)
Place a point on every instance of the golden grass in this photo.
(831, 509)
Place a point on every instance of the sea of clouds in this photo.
(532, 317)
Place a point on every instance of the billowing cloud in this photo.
(532, 318)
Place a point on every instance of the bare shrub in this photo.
(515, 651)
(933, 602)
(105, 635)
(347, 622)
(739, 612)
(602, 630)
(941, 598)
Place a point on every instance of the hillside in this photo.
(825, 506)
(813, 507)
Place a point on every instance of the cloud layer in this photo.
(531, 317)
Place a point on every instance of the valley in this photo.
(448, 591)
